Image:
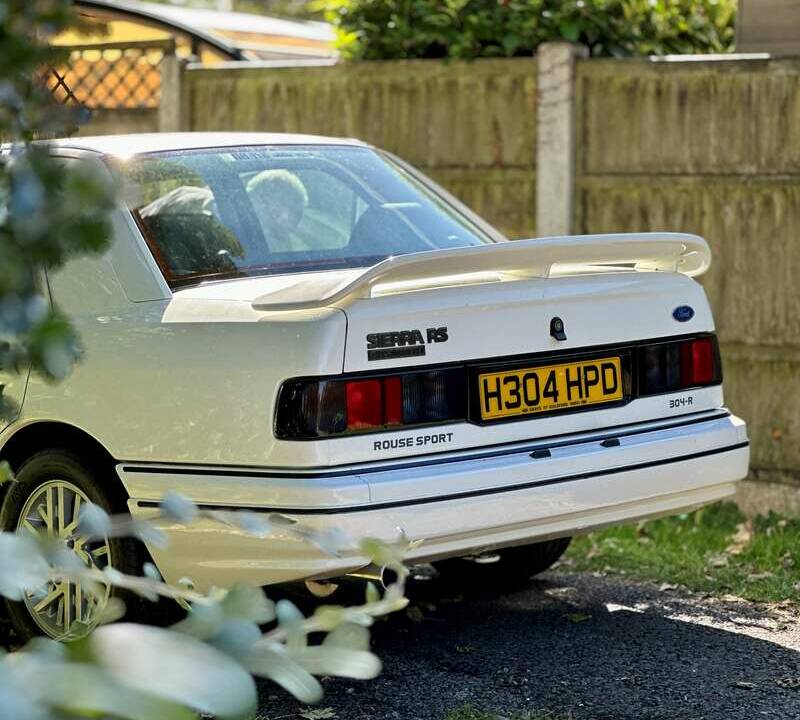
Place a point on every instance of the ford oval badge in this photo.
(683, 313)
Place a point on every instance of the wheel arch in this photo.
(46, 434)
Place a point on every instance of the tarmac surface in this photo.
(588, 646)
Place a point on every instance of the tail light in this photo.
(679, 365)
(329, 407)
(319, 408)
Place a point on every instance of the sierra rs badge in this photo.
(402, 343)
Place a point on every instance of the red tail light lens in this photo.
(697, 362)
(320, 408)
(374, 403)
(678, 365)
(393, 400)
(364, 404)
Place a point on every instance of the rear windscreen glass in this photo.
(233, 212)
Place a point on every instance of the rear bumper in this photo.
(455, 504)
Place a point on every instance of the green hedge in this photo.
(393, 29)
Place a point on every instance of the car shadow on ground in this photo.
(588, 646)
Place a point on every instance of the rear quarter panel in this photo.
(178, 381)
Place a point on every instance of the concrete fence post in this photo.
(555, 137)
(171, 114)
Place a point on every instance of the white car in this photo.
(309, 327)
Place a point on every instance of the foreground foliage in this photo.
(715, 549)
(205, 663)
(49, 212)
(395, 29)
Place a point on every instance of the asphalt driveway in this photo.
(585, 645)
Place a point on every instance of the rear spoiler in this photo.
(514, 260)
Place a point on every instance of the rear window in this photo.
(245, 211)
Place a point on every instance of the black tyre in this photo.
(49, 490)
(515, 567)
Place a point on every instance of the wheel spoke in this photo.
(48, 599)
(49, 520)
(73, 525)
(99, 552)
(67, 606)
(29, 526)
(60, 612)
(78, 602)
(60, 510)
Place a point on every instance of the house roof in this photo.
(233, 35)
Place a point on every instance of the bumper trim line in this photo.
(549, 442)
(470, 493)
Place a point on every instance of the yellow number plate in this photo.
(550, 387)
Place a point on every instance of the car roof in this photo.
(128, 145)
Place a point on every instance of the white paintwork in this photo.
(13, 390)
(126, 146)
(188, 380)
(210, 553)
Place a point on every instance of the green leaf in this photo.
(176, 668)
(570, 30)
(372, 593)
(338, 661)
(22, 565)
(85, 691)
(348, 635)
(329, 616)
(6, 474)
(248, 603)
(272, 661)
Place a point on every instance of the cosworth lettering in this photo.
(402, 343)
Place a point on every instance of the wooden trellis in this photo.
(110, 75)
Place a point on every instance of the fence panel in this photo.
(712, 147)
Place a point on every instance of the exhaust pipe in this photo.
(382, 576)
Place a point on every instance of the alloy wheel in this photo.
(64, 610)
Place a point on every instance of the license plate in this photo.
(549, 387)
